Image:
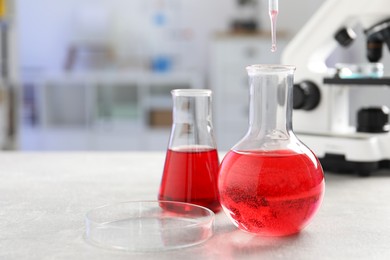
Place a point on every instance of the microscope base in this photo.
(338, 164)
(351, 153)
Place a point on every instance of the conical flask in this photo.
(191, 165)
(270, 183)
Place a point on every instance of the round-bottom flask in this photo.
(270, 183)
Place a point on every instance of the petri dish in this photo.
(149, 225)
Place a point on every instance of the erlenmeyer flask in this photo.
(270, 183)
(191, 164)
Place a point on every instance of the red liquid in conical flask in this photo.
(271, 193)
(191, 176)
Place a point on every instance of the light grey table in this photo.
(44, 197)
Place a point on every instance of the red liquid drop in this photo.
(271, 193)
(191, 176)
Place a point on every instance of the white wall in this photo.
(43, 32)
(47, 27)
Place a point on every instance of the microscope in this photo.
(322, 95)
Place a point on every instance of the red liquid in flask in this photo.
(271, 193)
(191, 176)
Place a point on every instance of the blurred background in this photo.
(97, 74)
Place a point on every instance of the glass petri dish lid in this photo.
(149, 225)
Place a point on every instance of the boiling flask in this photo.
(270, 183)
(191, 165)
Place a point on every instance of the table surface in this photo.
(44, 198)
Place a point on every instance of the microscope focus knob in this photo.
(345, 36)
(373, 120)
(306, 95)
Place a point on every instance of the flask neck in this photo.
(270, 113)
(192, 120)
(191, 110)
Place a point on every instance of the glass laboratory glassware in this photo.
(270, 183)
(191, 165)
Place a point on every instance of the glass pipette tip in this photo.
(273, 9)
